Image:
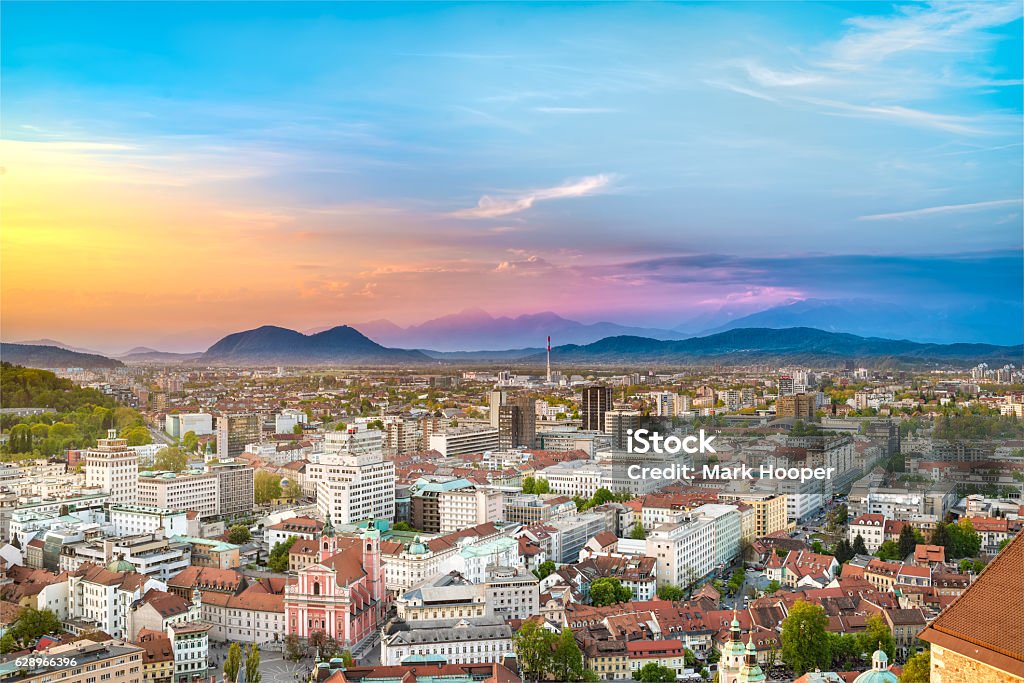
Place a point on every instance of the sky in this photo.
(174, 172)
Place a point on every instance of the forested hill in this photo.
(31, 388)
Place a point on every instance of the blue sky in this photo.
(407, 161)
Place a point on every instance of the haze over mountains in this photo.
(472, 331)
(344, 345)
(475, 329)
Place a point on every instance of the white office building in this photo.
(353, 481)
(114, 468)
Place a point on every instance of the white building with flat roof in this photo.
(113, 467)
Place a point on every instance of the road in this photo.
(160, 437)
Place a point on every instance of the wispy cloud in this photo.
(883, 63)
(952, 124)
(575, 110)
(936, 28)
(937, 210)
(495, 207)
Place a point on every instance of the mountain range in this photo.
(273, 345)
(42, 356)
(994, 323)
(796, 344)
(344, 345)
(475, 329)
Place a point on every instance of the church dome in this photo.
(120, 565)
(879, 672)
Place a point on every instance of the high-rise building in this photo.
(618, 423)
(236, 485)
(353, 480)
(596, 402)
(113, 467)
(497, 400)
(517, 423)
(797, 405)
(786, 385)
(235, 432)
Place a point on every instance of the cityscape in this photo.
(512, 343)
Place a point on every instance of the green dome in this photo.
(120, 566)
(879, 670)
(876, 677)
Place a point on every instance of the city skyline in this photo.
(174, 173)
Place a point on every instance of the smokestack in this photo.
(549, 359)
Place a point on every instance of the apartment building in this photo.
(769, 510)
(129, 520)
(461, 508)
(871, 528)
(528, 508)
(119, 661)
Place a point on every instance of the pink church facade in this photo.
(343, 594)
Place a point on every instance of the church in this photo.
(738, 663)
(342, 594)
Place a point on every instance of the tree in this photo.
(609, 591)
(567, 660)
(544, 569)
(278, 560)
(638, 533)
(652, 672)
(293, 649)
(541, 486)
(297, 429)
(239, 534)
(190, 442)
(347, 660)
(533, 647)
(528, 485)
(404, 526)
(292, 490)
(170, 459)
(907, 541)
(137, 436)
(964, 541)
(859, 548)
(805, 644)
(28, 627)
(918, 668)
(773, 586)
(233, 663)
(266, 487)
(252, 665)
(940, 536)
(888, 551)
(877, 636)
(670, 592)
(844, 551)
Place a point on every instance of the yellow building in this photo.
(769, 510)
(157, 656)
